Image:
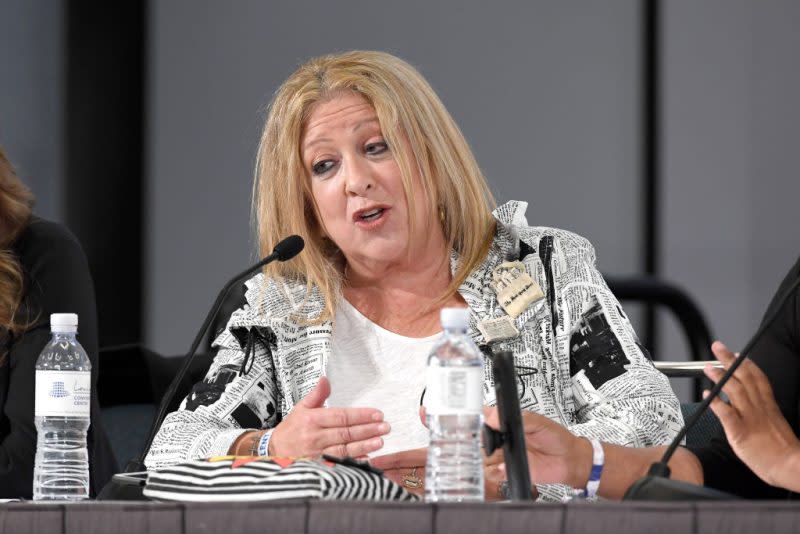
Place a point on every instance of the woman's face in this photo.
(357, 184)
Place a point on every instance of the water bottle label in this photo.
(454, 391)
(60, 393)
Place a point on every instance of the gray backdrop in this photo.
(731, 141)
(547, 92)
(31, 97)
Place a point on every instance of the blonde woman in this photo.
(42, 271)
(360, 157)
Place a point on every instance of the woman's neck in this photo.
(401, 298)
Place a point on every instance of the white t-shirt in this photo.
(372, 367)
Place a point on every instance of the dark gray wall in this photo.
(545, 91)
(31, 97)
(731, 140)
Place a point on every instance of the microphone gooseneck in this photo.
(285, 250)
(660, 469)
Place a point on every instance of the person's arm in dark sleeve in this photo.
(19, 446)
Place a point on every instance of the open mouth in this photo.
(371, 215)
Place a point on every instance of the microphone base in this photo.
(124, 487)
(654, 488)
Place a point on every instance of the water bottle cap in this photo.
(454, 318)
(63, 321)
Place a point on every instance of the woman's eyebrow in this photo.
(316, 141)
(354, 128)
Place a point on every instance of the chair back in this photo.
(131, 382)
(706, 428)
(653, 291)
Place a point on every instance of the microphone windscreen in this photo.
(289, 248)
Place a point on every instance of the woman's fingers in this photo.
(761, 388)
(344, 417)
(726, 413)
(733, 388)
(495, 458)
(493, 478)
(749, 386)
(747, 372)
(344, 435)
(354, 449)
(723, 353)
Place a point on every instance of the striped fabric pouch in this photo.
(259, 478)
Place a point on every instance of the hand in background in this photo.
(753, 423)
(310, 429)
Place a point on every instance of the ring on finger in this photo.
(411, 480)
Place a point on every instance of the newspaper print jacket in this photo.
(579, 360)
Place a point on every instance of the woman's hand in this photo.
(406, 468)
(310, 429)
(555, 455)
(753, 423)
(495, 476)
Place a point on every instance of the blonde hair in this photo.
(411, 115)
(15, 211)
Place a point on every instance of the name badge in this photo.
(498, 328)
(514, 287)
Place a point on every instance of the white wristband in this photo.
(598, 460)
(263, 443)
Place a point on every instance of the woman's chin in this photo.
(379, 256)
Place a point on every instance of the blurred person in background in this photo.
(42, 271)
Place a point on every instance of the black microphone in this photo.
(511, 435)
(287, 249)
(657, 485)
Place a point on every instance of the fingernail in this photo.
(384, 427)
(377, 416)
(376, 442)
(501, 467)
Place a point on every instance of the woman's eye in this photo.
(376, 148)
(321, 167)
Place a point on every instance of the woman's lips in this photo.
(371, 219)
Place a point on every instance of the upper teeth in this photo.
(371, 212)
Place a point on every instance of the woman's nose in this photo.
(358, 177)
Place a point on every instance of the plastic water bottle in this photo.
(63, 395)
(454, 412)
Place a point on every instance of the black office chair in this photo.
(649, 290)
(131, 383)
